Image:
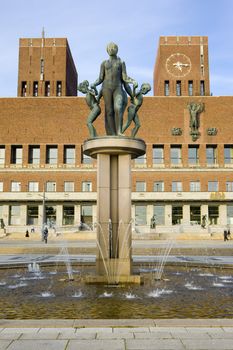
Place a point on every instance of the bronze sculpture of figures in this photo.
(115, 87)
(136, 103)
(93, 103)
(113, 77)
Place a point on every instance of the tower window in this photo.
(178, 88)
(202, 88)
(47, 88)
(166, 88)
(59, 88)
(41, 66)
(24, 89)
(190, 87)
(35, 88)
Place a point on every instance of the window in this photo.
(32, 214)
(229, 186)
(50, 186)
(51, 154)
(159, 212)
(86, 214)
(140, 186)
(166, 88)
(175, 154)
(86, 186)
(2, 155)
(178, 88)
(47, 88)
(176, 186)
(177, 214)
(68, 215)
(15, 186)
(158, 186)
(211, 154)
(213, 214)
(1, 186)
(69, 154)
(33, 186)
(195, 215)
(202, 88)
(158, 154)
(59, 88)
(212, 186)
(190, 87)
(230, 214)
(35, 88)
(50, 215)
(16, 154)
(140, 160)
(140, 215)
(14, 217)
(41, 66)
(86, 159)
(228, 154)
(34, 155)
(69, 186)
(193, 156)
(24, 89)
(195, 186)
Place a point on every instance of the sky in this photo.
(134, 25)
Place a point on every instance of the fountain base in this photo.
(112, 280)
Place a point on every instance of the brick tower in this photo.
(182, 67)
(46, 68)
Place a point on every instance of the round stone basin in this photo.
(182, 293)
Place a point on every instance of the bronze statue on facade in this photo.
(194, 110)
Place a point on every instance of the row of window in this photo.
(34, 154)
(50, 186)
(35, 86)
(193, 154)
(68, 215)
(158, 186)
(177, 186)
(180, 86)
(195, 216)
(51, 157)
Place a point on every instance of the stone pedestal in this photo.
(114, 156)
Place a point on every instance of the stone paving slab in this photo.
(192, 337)
(38, 345)
(4, 344)
(212, 344)
(190, 322)
(125, 335)
(114, 323)
(151, 344)
(53, 323)
(131, 330)
(80, 336)
(96, 345)
(154, 335)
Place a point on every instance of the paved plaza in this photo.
(116, 334)
(137, 334)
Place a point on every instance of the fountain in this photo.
(114, 153)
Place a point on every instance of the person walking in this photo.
(45, 235)
(225, 235)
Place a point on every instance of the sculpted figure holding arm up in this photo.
(113, 78)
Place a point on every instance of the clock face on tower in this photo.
(178, 65)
